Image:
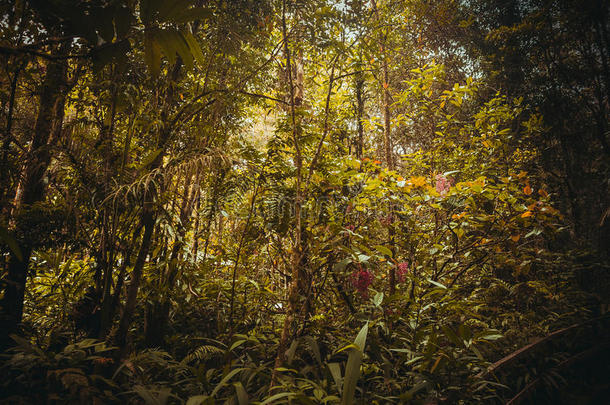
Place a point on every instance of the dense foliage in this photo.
(308, 201)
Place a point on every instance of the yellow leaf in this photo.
(526, 214)
(486, 144)
(515, 238)
(522, 175)
(527, 190)
(418, 181)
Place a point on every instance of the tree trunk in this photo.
(6, 142)
(31, 189)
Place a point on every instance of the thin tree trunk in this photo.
(242, 240)
(157, 313)
(387, 143)
(359, 114)
(107, 243)
(148, 218)
(148, 223)
(294, 293)
(110, 306)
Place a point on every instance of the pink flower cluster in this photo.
(401, 274)
(361, 280)
(443, 185)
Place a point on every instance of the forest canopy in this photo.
(304, 201)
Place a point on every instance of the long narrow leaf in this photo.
(352, 369)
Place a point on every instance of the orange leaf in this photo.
(526, 214)
(377, 162)
(543, 193)
(527, 190)
(438, 360)
(385, 85)
(515, 238)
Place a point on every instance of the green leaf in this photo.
(150, 158)
(352, 368)
(378, 299)
(383, 250)
(277, 396)
(174, 43)
(169, 8)
(225, 380)
(291, 351)
(315, 349)
(184, 51)
(242, 395)
(363, 258)
(236, 344)
(198, 400)
(477, 352)
(152, 54)
(418, 387)
(339, 267)
(347, 347)
(168, 41)
(492, 337)
(335, 372)
(149, 396)
(194, 47)
(437, 284)
(452, 336)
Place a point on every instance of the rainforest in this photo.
(304, 202)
